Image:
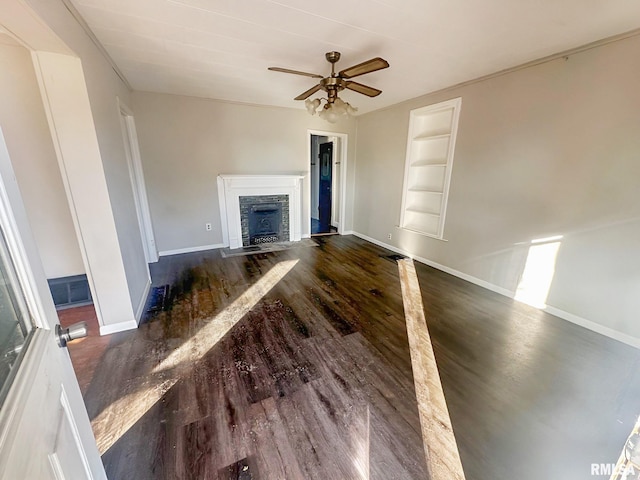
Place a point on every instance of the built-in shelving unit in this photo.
(430, 146)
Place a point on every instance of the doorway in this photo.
(136, 175)
(327, 184)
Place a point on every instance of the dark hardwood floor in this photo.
(312, 378)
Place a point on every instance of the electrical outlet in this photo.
(388, 236)
(207, 227)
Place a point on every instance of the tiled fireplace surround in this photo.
(232, 187)
(264, 219)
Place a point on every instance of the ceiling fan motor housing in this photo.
(332, 57)
(332, 85)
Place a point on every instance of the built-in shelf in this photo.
(412, 229)
(424, 190)
(422, 212)
(431, 137)
(430, 145)
(427, 163)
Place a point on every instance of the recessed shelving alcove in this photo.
(430, 146)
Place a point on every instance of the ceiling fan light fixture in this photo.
(330, 111)
(329, 115)
(312, 105)
(339, 107)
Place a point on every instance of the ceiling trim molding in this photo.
(85, 26)
(222, 100)
(549, 58)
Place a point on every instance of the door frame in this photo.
(339, 160)
(136, 174)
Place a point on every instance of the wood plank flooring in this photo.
(315, 381)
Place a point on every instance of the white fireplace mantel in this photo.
(232, 187)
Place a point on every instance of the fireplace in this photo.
(264, 219)
(270, 193)
(265, 223)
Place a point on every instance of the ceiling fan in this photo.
(337, 82)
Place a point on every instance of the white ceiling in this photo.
(221, 48)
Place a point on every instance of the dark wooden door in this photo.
(324, 192)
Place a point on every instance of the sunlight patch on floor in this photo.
(441, 450)
(116, 419)
(363, 447)
(214, 330)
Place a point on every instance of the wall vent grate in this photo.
(70, 291)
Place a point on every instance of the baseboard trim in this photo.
(570, 317)
(201, 248)
(143, 302)
(469, 278)
(593, 326)
(444, 268)
(118, 327)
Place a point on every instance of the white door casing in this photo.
(335, 182)
(136, 173)
(68, 109)
(340, 140)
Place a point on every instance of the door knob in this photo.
(77, 330)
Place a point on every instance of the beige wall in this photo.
(548, 150)
(24, 123)
(552, 149)
(186, 142)
(104, 88)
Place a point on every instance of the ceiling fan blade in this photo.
(363, 89)
(295, 72)
(364, 67)
(308, 93)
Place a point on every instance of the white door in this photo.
(44, 428)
